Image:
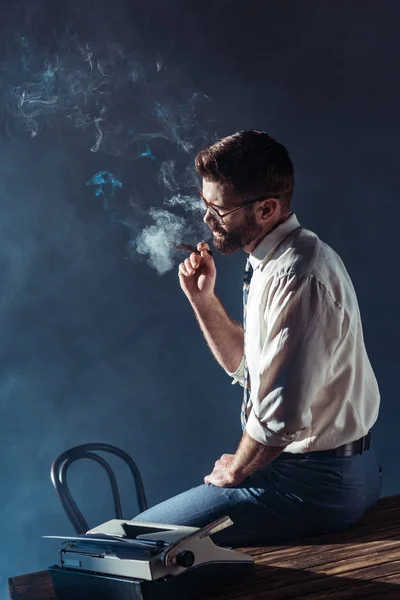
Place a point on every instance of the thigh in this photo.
(259, 514)
(362, 474)
(329, 494)
(196, 507)
(283, 502)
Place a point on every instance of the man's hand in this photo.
(223, 474)
(232, 469)
(197, 274)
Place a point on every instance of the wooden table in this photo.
(362, 562)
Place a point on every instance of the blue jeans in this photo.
(284, 501)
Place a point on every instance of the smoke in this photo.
(102, 179)
(187, 202)
(129, 106)
(154, 240)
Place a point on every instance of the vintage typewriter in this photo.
(129, 560)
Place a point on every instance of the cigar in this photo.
(186, 248)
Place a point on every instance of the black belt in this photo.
(357, 447)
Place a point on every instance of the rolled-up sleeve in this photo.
(238, 375)
(303, 324)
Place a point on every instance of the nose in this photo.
(207, 217)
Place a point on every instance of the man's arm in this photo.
(251, 456)
(304, 326)
(224, 336)
(232, 469)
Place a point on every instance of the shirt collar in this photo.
(271, 240)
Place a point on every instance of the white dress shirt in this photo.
(312, 384)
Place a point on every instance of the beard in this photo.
(238, 237)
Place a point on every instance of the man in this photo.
(304, 465)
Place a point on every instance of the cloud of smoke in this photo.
(132, 108)
(155, 239)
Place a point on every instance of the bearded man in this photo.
(305, 464)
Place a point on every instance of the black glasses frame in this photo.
(220, 217)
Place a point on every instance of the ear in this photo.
(269, 208)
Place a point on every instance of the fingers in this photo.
(186, 269)
(190, 265)
(182, 270)
(225, 460)
(195, 260)
(205, 251)
(202, 246)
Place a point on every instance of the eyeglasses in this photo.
(220, 218)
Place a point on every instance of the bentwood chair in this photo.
(59, 470)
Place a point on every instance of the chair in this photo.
(58, 475)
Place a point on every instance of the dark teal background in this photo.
(95, 345)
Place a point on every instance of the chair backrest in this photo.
(58, 475)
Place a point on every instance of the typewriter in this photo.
(129, 560)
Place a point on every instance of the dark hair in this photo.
(251, 163)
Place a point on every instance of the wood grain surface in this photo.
(360, 562)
